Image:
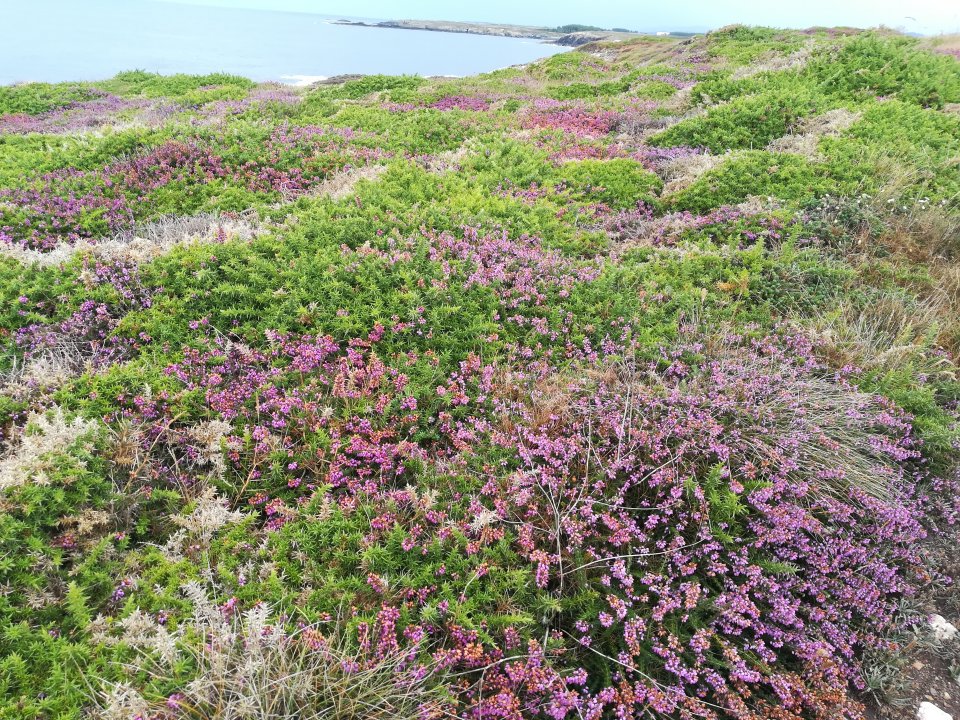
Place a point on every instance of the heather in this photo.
(619, 385)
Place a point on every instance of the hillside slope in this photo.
(623, 384)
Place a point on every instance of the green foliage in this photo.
(585, 91)
(620, 183)
(568, 65)
(356, 89)
(575, 28)
(36, 98)
(895, 143)
(743, 44)
(654, 90)
(753, 172)
(424, 131)
(188, 88)
(745, 123)
(872, 65)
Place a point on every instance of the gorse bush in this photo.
(140, 83)
(620, 183)
(355, 89)
(742, 44)
(888, 66)
(745, 123)
(37, 98)
(754, 173)
(621, 384)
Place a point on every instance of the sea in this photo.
(61, 40)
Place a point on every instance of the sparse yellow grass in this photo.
(943, 43)
(643, 50)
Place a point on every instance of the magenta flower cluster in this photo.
(575, 121)
(85, 116)
(690, 487)
(461, 102)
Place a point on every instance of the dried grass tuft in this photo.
(888, 333)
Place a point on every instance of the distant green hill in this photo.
(576, 28)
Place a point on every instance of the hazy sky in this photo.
(922, 16)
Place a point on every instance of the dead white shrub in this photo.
(342, 184)
(806, 140)
(448, 161)
(123, 702)
(34, 453)
(145, 242)
(776, 62)
(210, 437)
(250, 668)
(209, 515)
(680, 173)
(41, 374)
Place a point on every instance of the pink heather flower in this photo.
(376, 583)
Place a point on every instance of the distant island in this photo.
(568, 35)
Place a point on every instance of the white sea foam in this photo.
(301, 80)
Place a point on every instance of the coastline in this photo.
(545, 35)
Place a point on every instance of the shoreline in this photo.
(519, 32)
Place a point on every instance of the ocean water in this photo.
(58, 40)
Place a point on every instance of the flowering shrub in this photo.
(461, 102)
(71, 205)
(575, 121)
(82, 116)
(678, 510)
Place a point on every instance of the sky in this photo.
(917, 16)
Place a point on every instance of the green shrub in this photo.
(743, 44)
(653, 90)
(786, 177)
(744, 123)
(619, 183)
(910, 150)
(575, 28)
(586, 91)
(872, 65)
(138, 83)
(566, 65)
(356, 89)
(37, 98)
